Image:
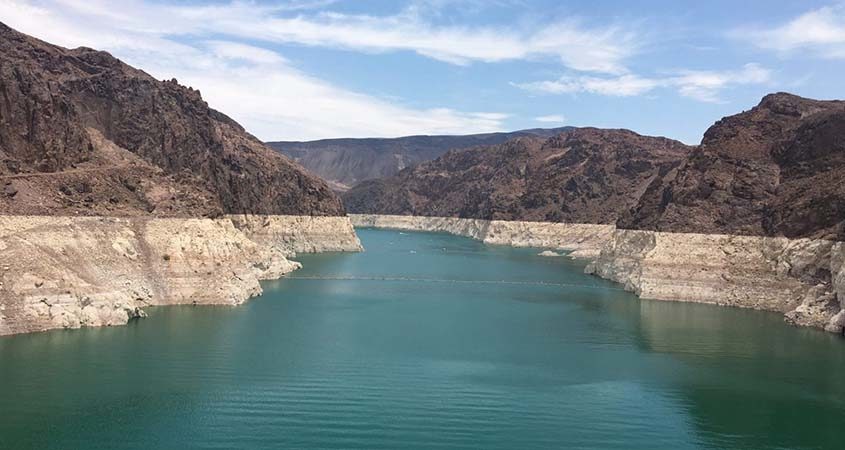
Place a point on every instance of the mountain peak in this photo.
(86, 133)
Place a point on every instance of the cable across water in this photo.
(446, 280)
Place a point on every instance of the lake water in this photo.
(429, 341)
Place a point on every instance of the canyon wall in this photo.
(583, 175)
(752, 217)
(299, 234)
(120, 191)
(346, 162)
(582, 239)
(802, 278)
(70, 272)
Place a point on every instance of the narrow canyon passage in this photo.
(429, 340)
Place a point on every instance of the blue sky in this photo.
(309, 69)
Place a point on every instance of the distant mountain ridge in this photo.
(345, 162)
(583, 175)
(774, 170)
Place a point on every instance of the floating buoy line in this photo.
(445, 280)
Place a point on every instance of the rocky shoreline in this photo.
(802, 278)
(120, 191)
(583, 240)
(71, 272)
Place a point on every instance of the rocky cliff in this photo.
(791, 276)
(775, 170)
(119, 191)
(346, 162)
(754, 217)
(580, 239)
(584, 175)
(802, 278)
(83, 133)
(70, 272)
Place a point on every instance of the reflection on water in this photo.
(549, 359)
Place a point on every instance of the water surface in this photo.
(429, 341)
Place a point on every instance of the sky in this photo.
(313, 69)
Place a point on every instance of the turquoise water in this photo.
(516, 352)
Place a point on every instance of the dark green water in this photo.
(372, 363)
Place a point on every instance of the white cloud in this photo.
(820, 31)
(287, 104)
(576, 46)
(244, 52)
(706, 85)
(554, 118)
(599, 49)
(621, 86)
(252, 84)
(700, 85)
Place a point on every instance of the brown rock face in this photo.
(83, 133)
(346, 162)
(584, 175)
(776, 170)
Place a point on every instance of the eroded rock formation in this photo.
(68, 272)
(580, 239)
(120, 191)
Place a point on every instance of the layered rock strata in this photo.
(581, 239)
(299, 234)
(70, 272)
(802, 278)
